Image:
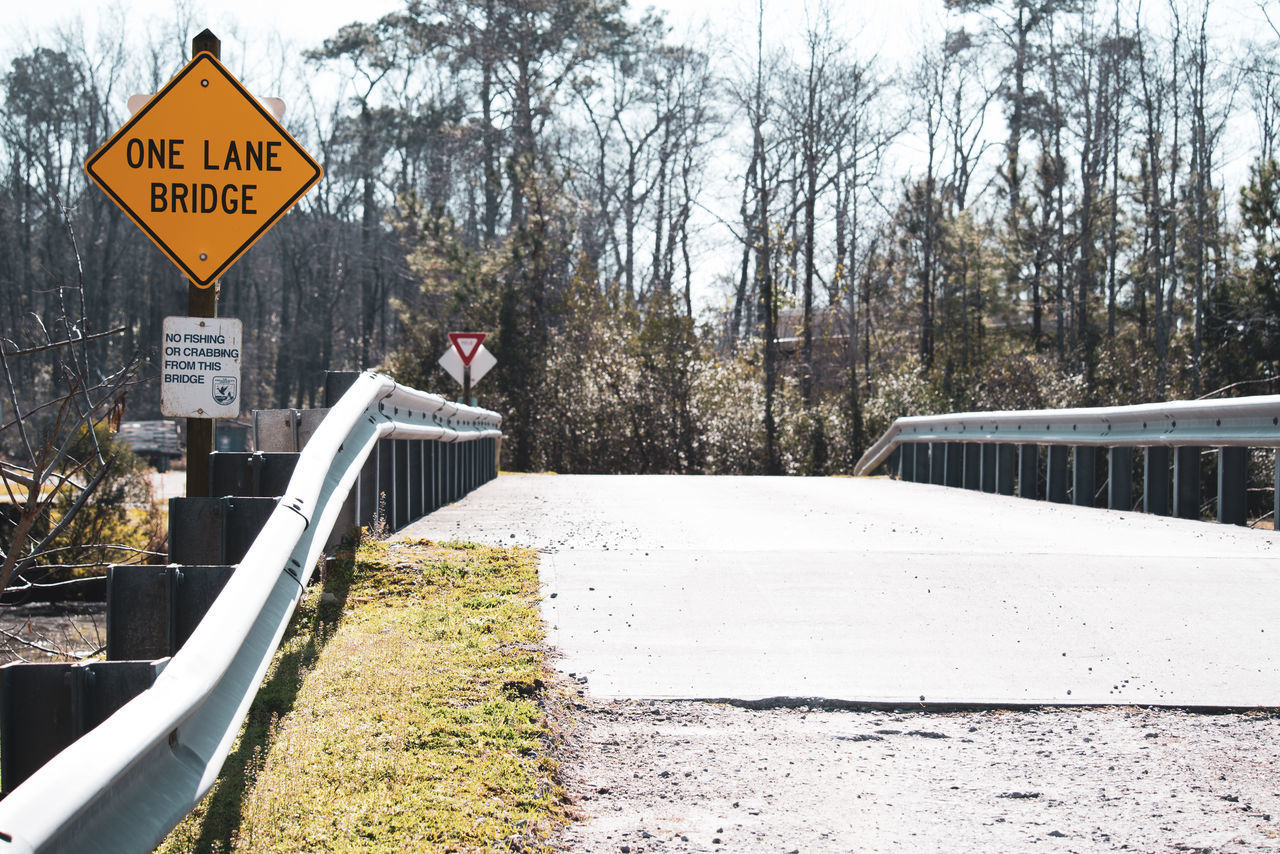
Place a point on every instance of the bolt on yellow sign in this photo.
(204, 169)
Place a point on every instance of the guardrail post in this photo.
(988, 467)
(1028, 471)
(259, 474)
(429, 475)
(404, 513)
(1056, 485)
(140, 607)
(972, 463)
(383, 491)
(45, 707)
(1275, 493)
(215, 531)
(451, 472)
(937, 463)
(464, 466)
(152, 610)
(1233, 505)
(36, 719)
(446, 473)
(469, 450)
(1155, 480)
(1120, 478)
(907, 462)
(417, 480)
(437, 467)
(455, 473)
(1006, 468)
(922, 462)
(1085, 483)
(955, 463)
(1186, 482)
(336, 384)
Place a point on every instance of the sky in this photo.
(879, 27)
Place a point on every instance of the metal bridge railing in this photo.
(1054, 454)
(125, 784)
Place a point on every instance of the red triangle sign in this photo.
(467, 344)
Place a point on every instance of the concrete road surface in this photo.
(871, 590)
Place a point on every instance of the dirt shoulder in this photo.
(693, 777)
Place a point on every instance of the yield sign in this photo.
(467, 344)
(204, 169)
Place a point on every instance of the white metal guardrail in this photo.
(126, 784)
(992, 450)
(1239, 422)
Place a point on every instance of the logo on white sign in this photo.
(224, 390)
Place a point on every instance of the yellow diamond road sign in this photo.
(204, 169)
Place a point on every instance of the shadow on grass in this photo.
(219, 821)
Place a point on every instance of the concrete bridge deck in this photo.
(877, 591)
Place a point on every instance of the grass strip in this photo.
(401, 713)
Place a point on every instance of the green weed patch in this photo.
(401, 714)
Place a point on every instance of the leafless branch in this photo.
(49, 650)
(19, 351)
(33, 585)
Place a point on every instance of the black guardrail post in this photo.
(1084, 463)
(1056, 483)
(152, 610)
(1233, 505)
(1186, 482)
(988, 467)
(140, 605)
(1155, 480)
(1029, 471)
(400, 483)
(972, 465)
(1275, 495)
(1120, 478)
(336, 384)
(1006, 468)
(259, 474)
(907, 462)
(417, 479)
(954, 461)
(215, 531)
(45, 707)
(937, 463)
(382, 486)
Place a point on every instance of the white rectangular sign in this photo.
(200, 367)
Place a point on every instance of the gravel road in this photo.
(683, 776)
